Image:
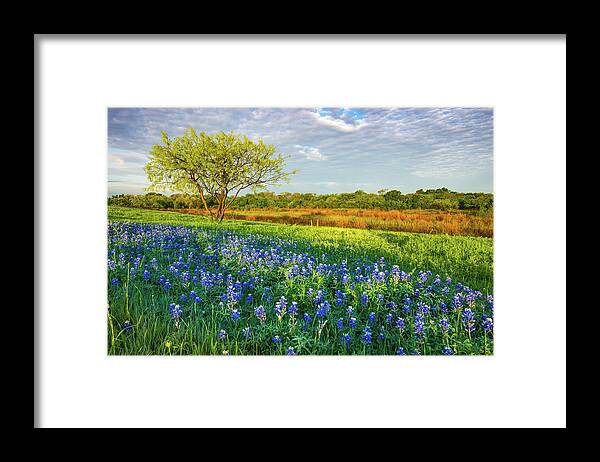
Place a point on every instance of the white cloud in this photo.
(338, 124)
(310, 153)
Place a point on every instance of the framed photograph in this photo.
(370, 206)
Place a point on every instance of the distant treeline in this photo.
(438, 199)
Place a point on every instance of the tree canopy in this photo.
(216, 166)
(436, 199)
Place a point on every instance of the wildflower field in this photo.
(181, 284)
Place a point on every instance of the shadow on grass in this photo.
(392, 238)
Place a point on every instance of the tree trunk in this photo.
(221, 206)
(204, 201)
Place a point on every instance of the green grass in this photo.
(465, 259)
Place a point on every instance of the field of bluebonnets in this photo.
(184, 285)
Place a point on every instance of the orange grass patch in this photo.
(455, 222)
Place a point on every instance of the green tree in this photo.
(216, 166)
(393, 195)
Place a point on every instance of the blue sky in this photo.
(334, 149)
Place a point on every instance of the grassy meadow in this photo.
(182, 284)
(465, 258)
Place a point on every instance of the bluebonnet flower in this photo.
(490, 303)
(379, 297)
(167, 285)
(364, 299)
(443, 308)
(222, 334)
(277, 339)
(389, 318)
(235, 315)
(400, 351)
(346, 339)
(280, 309)
(307, 318)
(260, 313)
(444, 324)
(396, 273)
(126, 327)
(282, 303)
(352, 323)
(323, 309)
(293, 309)
(423, 275)
(146, 275)
(340, 324)
(423, 308)
(290, 351)
(197, 300)
(293, 272)
(319, 297)
(419, 324)
(366, 337)
(468, 319)
(233, 293)
(400, 324)
(246, 332)
(470, 299)
(350, 310)
(488, 324)
(267, 296)
(447, 351)
(457, 301)
(114, 282)
(249, 298)
(371, 317)
(175, 311)
(381, 335)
